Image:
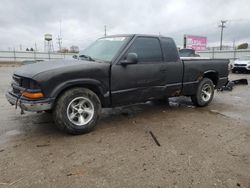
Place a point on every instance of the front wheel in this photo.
(77, 111)
(204, 93)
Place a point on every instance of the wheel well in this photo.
(212, 76)
(93, 88)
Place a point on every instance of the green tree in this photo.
(243, 46)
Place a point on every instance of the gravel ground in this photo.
(199, 147)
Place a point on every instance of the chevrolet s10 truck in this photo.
(113, 71)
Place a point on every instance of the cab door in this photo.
(144, 80)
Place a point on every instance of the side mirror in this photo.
(75, 56)
(131, 58)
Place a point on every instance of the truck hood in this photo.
(31, 70)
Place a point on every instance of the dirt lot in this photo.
(199, 147)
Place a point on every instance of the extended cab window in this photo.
(147, 49)
(169, 49)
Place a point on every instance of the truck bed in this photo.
(194, 69)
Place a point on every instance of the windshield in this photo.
(244, 58)
(104, 49)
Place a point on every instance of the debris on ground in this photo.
(71, 154)
(240, 82)
(42, 145)
(230, 84)
(154, 138)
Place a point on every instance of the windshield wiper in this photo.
(86, 57)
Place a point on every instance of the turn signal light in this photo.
(30, 95)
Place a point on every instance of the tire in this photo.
(233, 71)
(77, 111)
(201, 98)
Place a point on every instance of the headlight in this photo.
(26, 83)
(29, 84)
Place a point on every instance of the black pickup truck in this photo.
(113, 71)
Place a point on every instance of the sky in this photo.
(23, 23)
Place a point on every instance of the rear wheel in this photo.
(77, 111)
(204, 93)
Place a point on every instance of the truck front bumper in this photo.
(239, 67)
(29, 105)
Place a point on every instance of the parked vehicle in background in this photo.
(26, 62)
(114, 71)
(185, 52)
(241, 64)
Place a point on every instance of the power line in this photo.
(222, 26)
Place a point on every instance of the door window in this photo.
(148, 49)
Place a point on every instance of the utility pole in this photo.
(59, 38)
(234, 44)
(59, 41)
(105, 30)
(35, 47)
(222, 26)
(234, 49)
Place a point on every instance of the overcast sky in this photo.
(82, 21)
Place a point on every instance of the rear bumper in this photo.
(30, 105)
(221, 82)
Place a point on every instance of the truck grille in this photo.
(17, 80)
(20, 84)
(16, 83)
(240, 65)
